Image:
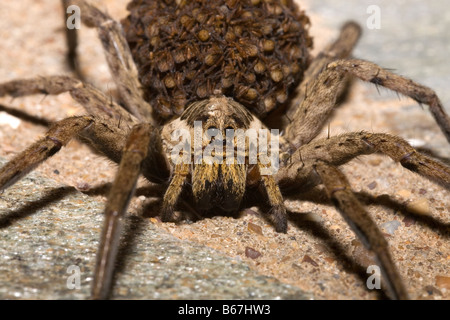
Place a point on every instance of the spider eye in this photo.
(212, 132)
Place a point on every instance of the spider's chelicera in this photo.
(202, 84)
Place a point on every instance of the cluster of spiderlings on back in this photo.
(254, 51)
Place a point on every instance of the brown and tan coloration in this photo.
(217, 185)
(122, 135)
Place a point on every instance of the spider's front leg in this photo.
(339, 49)
(95, 102)
(133, 156)
(136, 155)
(321, 97)
(277, 213)
(55, 138)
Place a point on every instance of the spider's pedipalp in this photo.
(316, 163)
(173, 192)
(251, 52)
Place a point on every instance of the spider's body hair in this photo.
(187, 50)
(215, 185)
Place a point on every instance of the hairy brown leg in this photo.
(314, 163)
(122, 190)
(339, 150)
(371, 72)
(277, 213)
(339, 49)
(359, 220)
(95, 102)
(119, 59)
(56, 137)
(113, 123)
(321, 98)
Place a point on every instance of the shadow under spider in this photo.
(384, 200)
(25, 116)
(28, 209)
(348, 263)
(135, 224)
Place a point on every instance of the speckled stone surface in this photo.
(49, 236)
(319, 254)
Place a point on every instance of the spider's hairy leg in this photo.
(95, 102)
(119, 59)
(373, 73)
(322, 95)
(112, 123)
(341, 48)
(315, 109)
(56, 137)
(133, 155)
(341, 149)
(356, 216)
(314, 163)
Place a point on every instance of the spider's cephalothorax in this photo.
(250, 50)
(213, 167)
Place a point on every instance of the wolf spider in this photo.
(141, 146)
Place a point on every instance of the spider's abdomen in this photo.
(253, 51)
